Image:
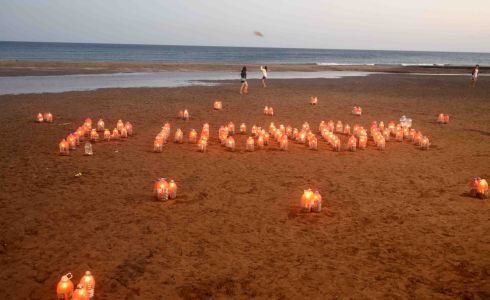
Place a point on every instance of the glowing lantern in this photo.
(80, 133)
(250, 144)
(172, 190)
(347, 129)
(362, 141)
(230, 143)
(339, 127)
(302, 137)
(179, 136)
(217, 105)
(88, 149)
(417, 138)
(479, 187)
(124, 133)
(440, 118)
(185, 115)
(317, 202)
(399, 135)
(260, 142)
(160, 190)
(88, 282)
(283, 143)
(129, 128)
(231, 128)
(254, 130)
(115, 134)
(336, 144)
(107, 135)
(193, 136)
(271, 111)
(72, 141)
(357, 110)
(181, 114)
(94, 136)
(119, 125)
(313, 143)
(313, 100)
(158, 144)
(424, 143)
(352, 143)
(39, 118)
(202, 145)
(380, 143)
(87, 125)
(100, 125)
(266, 110)
(311, 201)
(64, 289)
(205, 131)
(266, 139)
(243, 128)
(48, 117)
(391, 127)
(80, 293)
(381, 126)
(64, 147)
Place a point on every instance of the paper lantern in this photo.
(158, 145)
(64, 289)
(424, 143)
(311, 201)
(352, 143)
(72, 141)
(271, 111)
(115, 134)
(88, 149)
(100, 125)
(80, 293)
(362, 141)
(399, 134)
(119, 125)
(193, 136)
(392, 127)
(179, 136)
(243, 128)
(380, 142)
(266, 139)
(230, 143)
(339, 127)
(336, 144)
(205, 131)
(250, 144)
(266, 110)
(88, 282)
(381, 126)
(347, 129)
(217, 105)
(124, 133)
(357, 110)
(186, 115)
(94, 136)
(202, 144)
(107, 135)
(180, 114)
(260, 142)
(39, 118)
(64, 147)
(48, 117)
(417, 138)
(283, 143)
(172, 190)
(440, 118)
(317, 202)
(231, 128)
(253, 131)
(313, 100)
(80, 133)
(160, 190)
(479, 187)
(129, 128)
(302, 137)
(313, 143)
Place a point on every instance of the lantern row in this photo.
(122, 130)
(85, 290)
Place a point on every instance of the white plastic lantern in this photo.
(217, 105)
(88, 149)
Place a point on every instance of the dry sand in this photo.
(396, 224)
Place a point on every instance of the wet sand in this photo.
(40, 68)
(396, 223)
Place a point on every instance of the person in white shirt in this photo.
(474, 75)
(263, 69)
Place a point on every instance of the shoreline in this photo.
(43, 68)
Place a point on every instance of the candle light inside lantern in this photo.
(94, 136)
(283, 143)
(64, 147)
(119, 125)
(313, 143)
(307, 200)
(260, 142)
(158, 144)
(362, 141)
(87, 125)
(64, 289)
(313, 100)
(39, 118)
(100, 125)
(72, 141)
(172, 190)
(124, 133)
(80, 293)
(88, 282)
(115, 134)
(250, 144)
(339, 127)
(107, 135)
(231, 128)
(48, 117)
(399, 134)
(193, 136)
(230, 143)
(424, 143)
(202, 145)
(160, 190)
(243, 128)
(186, 115)
(352, 143)
(217, 105)
(347, 129)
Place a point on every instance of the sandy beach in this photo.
(396, 224)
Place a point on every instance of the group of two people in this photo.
(243, 75)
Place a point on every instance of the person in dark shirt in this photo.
(244, 86)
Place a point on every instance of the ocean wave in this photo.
(422, 65)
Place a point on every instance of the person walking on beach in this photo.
(474, 75)
(263, 69)
(244, 86)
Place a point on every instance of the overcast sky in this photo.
(440, 25)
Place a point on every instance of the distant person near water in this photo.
(263, 69)
(244, 86)
(474, 75)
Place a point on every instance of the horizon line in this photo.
(254, 47)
